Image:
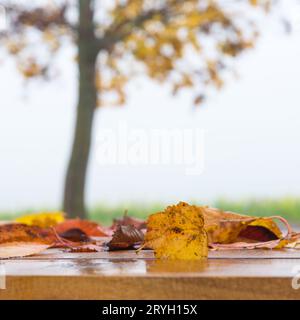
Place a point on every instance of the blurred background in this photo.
(251, 135)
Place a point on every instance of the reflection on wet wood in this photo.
(126, 275)
(148, 254)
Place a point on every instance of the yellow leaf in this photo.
(254, 2)
(43, 219)
(177, 233)
(228, 227)
(30, 68)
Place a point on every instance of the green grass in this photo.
(286, 207)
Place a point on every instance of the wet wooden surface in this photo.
(250, 274)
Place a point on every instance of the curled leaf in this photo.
(125, 237)
(228, 230)
(228, 227)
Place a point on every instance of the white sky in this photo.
(252, 131)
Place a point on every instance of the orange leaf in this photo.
(90, 228)
(18, 240)
(16, 232)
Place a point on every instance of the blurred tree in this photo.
(185, 43)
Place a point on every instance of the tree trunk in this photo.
(74, 193)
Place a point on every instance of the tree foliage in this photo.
(185, 43)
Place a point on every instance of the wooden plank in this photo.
(255, 274)
(91, 287)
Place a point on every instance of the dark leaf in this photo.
(75, 235)
(125, 237)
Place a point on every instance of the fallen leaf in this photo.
(177, 233)
(16, 232)
(228, 227)
(228, 230)
(19, 240)
(127, 221)
(43, 219)
(90, 228)
(75, 235)
(21, 249)
(125, 237)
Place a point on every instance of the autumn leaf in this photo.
(227, 227)
(125, 237)
(90, 228)
(19, 240)
(15, 232)
(42, 219)
(127, 221)
(228, 230)
(75, 235)
(21, 249)
(177, 233)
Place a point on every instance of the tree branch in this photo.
(120, 31)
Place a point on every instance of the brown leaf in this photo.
(127, 221)
(199, 99)
(125, 237)
(75, 235)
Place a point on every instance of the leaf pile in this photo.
(180, 232)
(38, 232)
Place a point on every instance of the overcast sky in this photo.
(251, 134)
